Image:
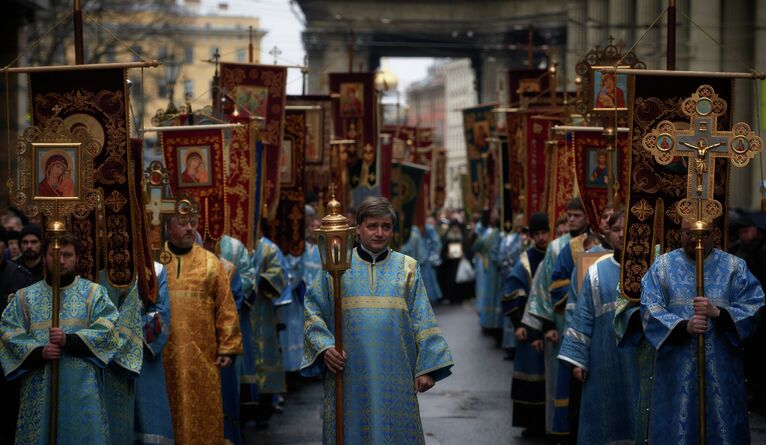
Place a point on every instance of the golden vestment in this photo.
(203, 325)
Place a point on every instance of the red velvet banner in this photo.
(241, 197)
(194, 160)
(561, 183)
(536, 133)
(259, 90)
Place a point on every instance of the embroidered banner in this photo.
(355, 117)
(439, 175)
(406, 186)
(259, 90)
(536, 133)
(526, 82)
(194, 160)
(478, 127)
(287, 229)
(561, 180)
(318, 111)
(386, 147)
(242, 201)
(96, 99)
(655, 189)
(513, 162)
(590, 152)
(506, 195)
(147, 278)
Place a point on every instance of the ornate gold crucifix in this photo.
(701, 144)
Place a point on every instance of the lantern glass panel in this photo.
(350, 238)
(322, 244)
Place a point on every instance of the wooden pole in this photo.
(338, 306)
(90, 66)
(250, 46)
(671, 49)
(530, 42)
(351, 51)
(79, 56)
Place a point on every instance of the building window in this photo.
(189, 55)
(188, 88)
(162, 88)
(241, 55)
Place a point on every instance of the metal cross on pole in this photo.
(701, 145)
(275, 52)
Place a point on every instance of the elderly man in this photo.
(393, 346)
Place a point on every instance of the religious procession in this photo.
(557, 237)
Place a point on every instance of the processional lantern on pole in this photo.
(335, 238)
(702, 143)
(55, 179)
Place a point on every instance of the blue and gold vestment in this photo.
(590, 343)
(668, 289)
(120, 375)
(391, 337)
(87, 312)
(153, 424)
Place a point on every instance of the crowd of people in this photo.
(228, 331)
(211, 350)
(590, 365)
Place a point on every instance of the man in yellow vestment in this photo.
(204, 336)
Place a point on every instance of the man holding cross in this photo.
(672, 315)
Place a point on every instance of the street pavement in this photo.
(472, 406)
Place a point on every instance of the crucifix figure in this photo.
(701, 144)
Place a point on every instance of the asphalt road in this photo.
(472, 406)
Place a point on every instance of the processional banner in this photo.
(355, 117)
(243, 190)
(478, 128)
(652, 216)
(513, 162)
(406, 186)
(526, 83)
(318, 168)
(259, 91)
(386, 144)
(439, 175)
(287, 229)
(97, 100)
(195, 165)
(147, 278)
(591, 157)
(561, 177)
(536, 133)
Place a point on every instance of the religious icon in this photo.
(56, 170)
(596, 167)
(351, 100)
(195, 166)
(253, 99)
(740, 145)
(481, 136)
(286, 174)
(609, 91)
(665, 142)
(529, 86)
(314, 136)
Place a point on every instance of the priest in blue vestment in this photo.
(153, 424)
(589, 348)
(528, 382)
(672, 316)
(393, 347)
(84, 344)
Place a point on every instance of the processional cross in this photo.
(158, 203)
(702, 144)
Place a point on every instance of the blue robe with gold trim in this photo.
(391, 337)
(590, 343)
(120, 375)
(87, 312)
(668, 289)
(271, 281)
(153, 424)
